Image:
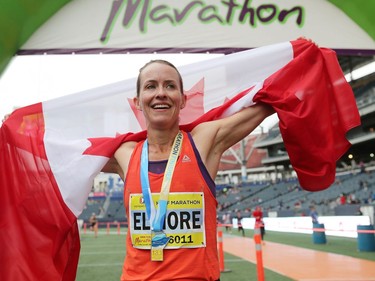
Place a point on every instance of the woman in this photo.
(183, 238)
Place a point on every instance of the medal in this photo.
(158, 242)
(156, 216)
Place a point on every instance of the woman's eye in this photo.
(150, 87)
(171, 86)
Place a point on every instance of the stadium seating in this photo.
(289, 199)
(285, 198)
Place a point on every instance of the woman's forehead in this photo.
(159, 71)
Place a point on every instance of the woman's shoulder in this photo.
(125, 149)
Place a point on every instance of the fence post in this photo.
(258, 250)
(221, 250)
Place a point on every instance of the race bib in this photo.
(184, 222)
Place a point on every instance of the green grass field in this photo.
(101, 258)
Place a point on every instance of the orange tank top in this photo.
(191, 254)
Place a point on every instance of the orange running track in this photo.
(302, 264)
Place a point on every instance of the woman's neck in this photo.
(160, 144)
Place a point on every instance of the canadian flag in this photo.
(51, 151)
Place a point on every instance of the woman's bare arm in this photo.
(112, 166)
(213, 138)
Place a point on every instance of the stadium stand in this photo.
(93, 205)
(285, 198)
(288, 199)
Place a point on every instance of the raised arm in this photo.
(213, 138)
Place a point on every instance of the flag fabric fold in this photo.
(39, 236)
(51, 151)
(316, 108)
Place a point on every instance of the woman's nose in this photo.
(161, 92)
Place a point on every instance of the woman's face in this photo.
(160, 97)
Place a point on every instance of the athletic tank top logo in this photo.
(186, 158)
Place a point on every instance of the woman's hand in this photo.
(307, 39)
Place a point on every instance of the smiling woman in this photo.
(67, 141)
(162, 91)
(161, 234)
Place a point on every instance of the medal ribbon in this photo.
(157, 216)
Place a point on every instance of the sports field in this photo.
(101, 258)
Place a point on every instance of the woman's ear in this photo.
(137, 104)
(183, 104)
